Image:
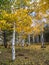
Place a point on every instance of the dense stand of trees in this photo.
(25, 18)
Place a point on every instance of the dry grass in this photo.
(31, 55)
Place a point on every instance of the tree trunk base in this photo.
(43, 46)
(5, 46)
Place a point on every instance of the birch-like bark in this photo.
(13, 44)
(23, 42)
(13, 41)
(42, 39)
(37, 39)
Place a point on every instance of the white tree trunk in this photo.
(37, 39)
(13, 44)
(23, 42)
(42, 39)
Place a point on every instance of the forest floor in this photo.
(30, 55)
